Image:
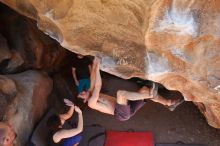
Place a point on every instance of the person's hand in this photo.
(78, 110)
(68, 102)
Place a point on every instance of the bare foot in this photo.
(96, 60)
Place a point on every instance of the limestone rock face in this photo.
(24, 100)
(174, 42)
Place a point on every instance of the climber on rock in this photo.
(127, 103)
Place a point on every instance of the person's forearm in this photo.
(66, 133)
(68, 114)
(80, 122)
(75, 79)
(74, 76)
(90, 69)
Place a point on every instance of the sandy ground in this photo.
(185, 124)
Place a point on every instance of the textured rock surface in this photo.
(24, 100)
(172, 42)
(24, 47)
(8, 91)
(5, 53)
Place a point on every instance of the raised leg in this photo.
(97, 83)
(123, 96)
(144, 93)
(102, 104)
(93, 75)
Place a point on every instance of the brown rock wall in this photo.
(190, 49)
(28, 92)
(24, 47)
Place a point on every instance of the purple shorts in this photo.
(125, 112)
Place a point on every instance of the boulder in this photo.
(8, 91)
(24, 46)
(25, 98)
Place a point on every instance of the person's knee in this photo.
(121, 99)
(121, 94)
